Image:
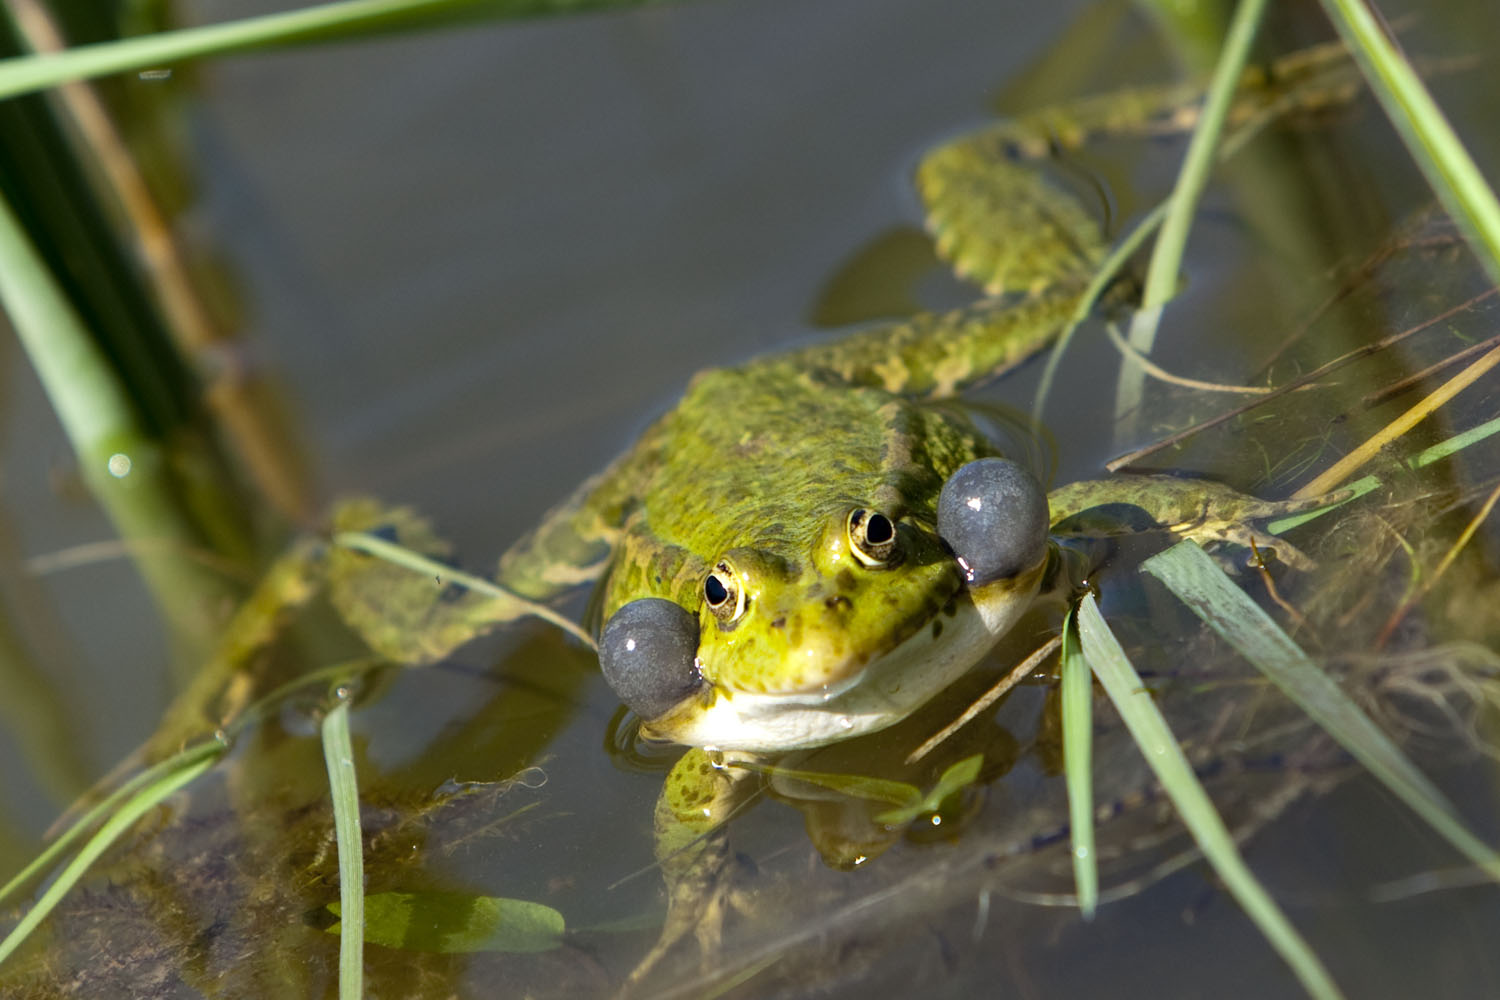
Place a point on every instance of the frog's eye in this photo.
(723, 594)
(872, 537)
(993, 515)
(648, 654)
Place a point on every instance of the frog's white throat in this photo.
(886, 691)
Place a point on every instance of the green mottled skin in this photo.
(762, 464)
(872, 450)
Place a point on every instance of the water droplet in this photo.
(119, 465)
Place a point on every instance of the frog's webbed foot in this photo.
(1197, 509)
(692, 847)
(698, 898)
(997, 219)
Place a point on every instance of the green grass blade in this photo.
(1078, 765)
(1425, 457)
(1161, 750)
(105, 807)
(125, 470)
(1428, 136)
(1166, 254)
(457, 923)
(148, 795)
(24, 74)
(1112, 265)
(338, 755)
(1190, 574)
(94, 409)
(954, 779)
(399, 555)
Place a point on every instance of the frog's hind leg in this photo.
(1001, 223)
(938, 355)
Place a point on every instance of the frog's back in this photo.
(758, 456)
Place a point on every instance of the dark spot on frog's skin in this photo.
(658, 579)
(837, 601)
(937, 628)
(844, 580)
(779, 622)
(951, 608)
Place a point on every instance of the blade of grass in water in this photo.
(126, 472)
(1335, 474)
(1166, 254)
(1429, 138)
(25, 74)
(1190, 574)
(1078, 764)
(125, 793)
(415, 561)
(144, 797)
(1424, 458)
(338, 755)
(1161, 750)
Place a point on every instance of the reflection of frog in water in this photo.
(802, 551)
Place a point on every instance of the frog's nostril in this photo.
(993, 514)
(649, 655)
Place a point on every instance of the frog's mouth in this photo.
(884, 692)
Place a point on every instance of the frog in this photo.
(806, 548)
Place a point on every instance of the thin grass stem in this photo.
(1166, 253)
(338, 756)
(1429, 138)
(1340, 470)
(144, 797)
(1077, 710)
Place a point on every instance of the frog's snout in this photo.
(648, 653)
(993, 514)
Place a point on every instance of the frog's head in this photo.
(848, 634)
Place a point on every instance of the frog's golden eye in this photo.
(872, 537)
(725, 596)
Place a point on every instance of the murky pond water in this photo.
(479, 261)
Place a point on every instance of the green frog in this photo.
(805, 549)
